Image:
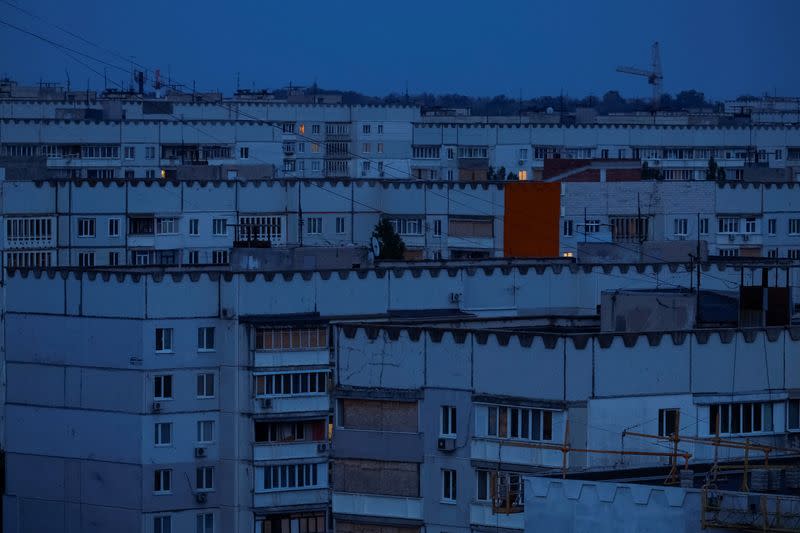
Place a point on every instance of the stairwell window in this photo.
(437, 228)
(162, 387)
(703, 226)
(162, 484)
(205, 478)
(164, 340)
(567, 228)
(163, 434)
(205, 339)
(449, 486)
(448, 421)
(340, 225)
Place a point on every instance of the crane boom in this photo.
(655, 76)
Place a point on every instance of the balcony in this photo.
(291, 498)
(379, 445)
(317, 403)
(377, 505)
(503, 452)
(29, 244)
(289, 450)
(480, 514)
(292, 358)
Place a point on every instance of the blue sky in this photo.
(722, 47)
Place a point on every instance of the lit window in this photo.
(523, 175)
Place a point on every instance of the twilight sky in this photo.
(722, 47)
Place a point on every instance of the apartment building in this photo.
(202, 399)
(434, 422)
(134, 136)
(195, 223)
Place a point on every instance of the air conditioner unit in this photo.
(446, 444)
(455, 297)
(156, 407)
(201, 497)
(321, 447)
(266, 403)
(731, 237)
(199, 452)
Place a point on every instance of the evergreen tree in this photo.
(713, 168)
(392, 246)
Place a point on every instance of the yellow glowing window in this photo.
(523, 175)
(302, 129)
(567, 254)
(163, 173)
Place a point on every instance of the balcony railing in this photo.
(377, 505)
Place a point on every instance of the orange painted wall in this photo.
(532, 218)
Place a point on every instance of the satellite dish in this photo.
(376, 247)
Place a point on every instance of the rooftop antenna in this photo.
(406, 92)
(238, 80)
(655, 76)
(68, 82)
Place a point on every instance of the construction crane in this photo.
(655, 76)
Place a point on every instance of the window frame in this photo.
(166, 334)
(215, 230)
(448, 421)
(159, 433)
(113, 227)
(449, 486)
(204, 334)
(202, 391)
(163, 385)
(204, 478)
(87, 227)
(201, 433)
(159, 476)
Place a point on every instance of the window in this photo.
(366, 148)
(729, 225)
(288, 127)
(366, 128)
(281, 477)
(291, 383)
(629, 229)
(205, 523)
(129, 175)
(703, 226)
(772, 226)
(484, 483)
(301, 147)
(567, 228)
(205, 385)
(407, 226)
(150, 174)
(680, 226)
(729, 252)
(166, 226)
(425, 152)
(473, 152)
(773, 253)
(205, 478)
(314, 225)
(261, 228)
(448, 421)
(448, 485)
(113, 227)
(451, 154)
(290, 431)
(793, 414)
(194, 226)
(365, 166)
(315, 128)
(380, 148)
(219, 257)
(278, 339)
(130, 152)
(380, 128)
(518, 423)
(86, 259)
(194, 257)
(113, 258)
(162, 387)
(740, 418)
(750, 225)
(220, 226)
(163, 339)
(244, 152)
(314, 148)
(523, 153)
(162, 524)
(522, 175)
(150, 152)
(667, 420)
(315, 166)
(793, 253)
(591, 226)
(163, 482)
(205, 431)
(163, 434)
(437, 228)
(794, 226)
(19, 230)
(205, 339)
(86, 227)
(488, 481)
(340, 225)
